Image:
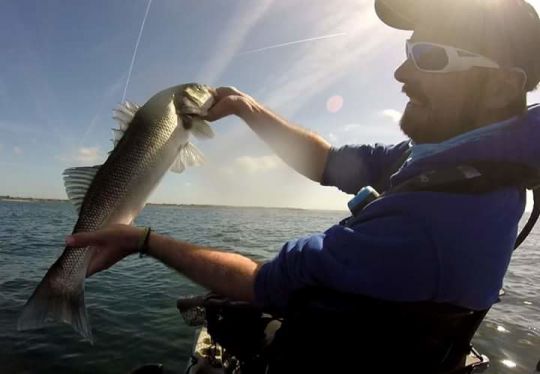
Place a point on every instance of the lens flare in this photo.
(334, 104)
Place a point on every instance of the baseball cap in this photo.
(508, 31)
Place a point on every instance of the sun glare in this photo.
(535, 4)
(509, 363)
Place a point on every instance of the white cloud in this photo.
(354, 133)
(332, 137)
(83, 156)
(393, 114)
(256, 181)
(351, 127)
(88, 154)
(251, 165)
(17, 150)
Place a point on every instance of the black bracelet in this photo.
(143, 243)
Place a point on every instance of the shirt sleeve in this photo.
(389, 258)
(350, 168)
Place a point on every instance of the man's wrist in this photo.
(133, 239)
(246, 108)
(143, 243)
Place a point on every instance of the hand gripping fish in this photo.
(151, 140)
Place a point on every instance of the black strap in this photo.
(480, 177)
(393, 169)
(526, 230)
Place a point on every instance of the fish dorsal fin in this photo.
(123, 115)
(201, 129)
(77, 181)
(189, 155)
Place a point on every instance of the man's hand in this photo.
(228, 274)
(110, 244)
(228, 101)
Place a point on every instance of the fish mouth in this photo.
(195, 99)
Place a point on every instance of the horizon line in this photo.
(51, 199)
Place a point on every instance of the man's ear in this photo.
(504, 87)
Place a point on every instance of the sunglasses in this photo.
(438, 58)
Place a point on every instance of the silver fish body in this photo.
(155, 139)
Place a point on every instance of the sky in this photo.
(65, 64)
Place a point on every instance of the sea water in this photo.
(132, 306)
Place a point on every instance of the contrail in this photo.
(135, 50)
(292, 43)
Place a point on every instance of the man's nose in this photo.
(405, 71)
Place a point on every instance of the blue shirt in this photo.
(410, 246)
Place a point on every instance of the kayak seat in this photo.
(328, 331)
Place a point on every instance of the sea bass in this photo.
(151, 140)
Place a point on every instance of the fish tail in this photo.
(51, 304)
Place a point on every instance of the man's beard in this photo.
(430, 128)
(418, 129)
(430, 125)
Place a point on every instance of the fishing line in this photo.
(135, 50)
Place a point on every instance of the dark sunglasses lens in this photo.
(430, 57)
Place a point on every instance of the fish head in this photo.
(192, 99)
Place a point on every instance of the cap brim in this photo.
(399, 14)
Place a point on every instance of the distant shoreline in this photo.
(27, 199)
(19, 199)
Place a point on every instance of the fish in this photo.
(150, 140)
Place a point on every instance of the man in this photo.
(469, 66)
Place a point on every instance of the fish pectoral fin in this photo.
(177, 166)
(191, 156)
(201, 129)
(77, 181)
